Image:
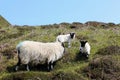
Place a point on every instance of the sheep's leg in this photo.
(16, 68)
(18, 64)
(27, 67)
(50, 66)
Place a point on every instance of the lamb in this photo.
(66, 38)
(85, 48)
(39, 53)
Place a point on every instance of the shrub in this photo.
(111, 24)
(103, 68)
(110, 50)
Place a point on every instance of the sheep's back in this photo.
(37, 51)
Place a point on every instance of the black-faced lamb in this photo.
(85, 48)
(39, 53)
(66, 38)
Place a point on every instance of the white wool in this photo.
(63, 38)
(38, 52)
(85, 49)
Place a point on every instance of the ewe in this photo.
(39, 53)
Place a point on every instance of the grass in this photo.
(103, 41)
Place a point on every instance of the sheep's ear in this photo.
(80, 40)
(63, 44)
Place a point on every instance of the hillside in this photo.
(3, 22)
(103, 64)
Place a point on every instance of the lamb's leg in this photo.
(69, 44)
(87, 55)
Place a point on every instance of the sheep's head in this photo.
(83, 42)
(72, 35)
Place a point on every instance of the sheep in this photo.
(66, 38)
(85, 48)
(39, 53)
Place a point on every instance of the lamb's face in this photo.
(83, 43)
(72, 35)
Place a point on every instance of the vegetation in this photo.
(103, 64)
(3, 22)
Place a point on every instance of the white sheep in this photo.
(66, 38)
(39, 53)
(85, 48)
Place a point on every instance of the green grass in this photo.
(71, 66)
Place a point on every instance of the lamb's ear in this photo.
(71, 33)
(86, 41)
